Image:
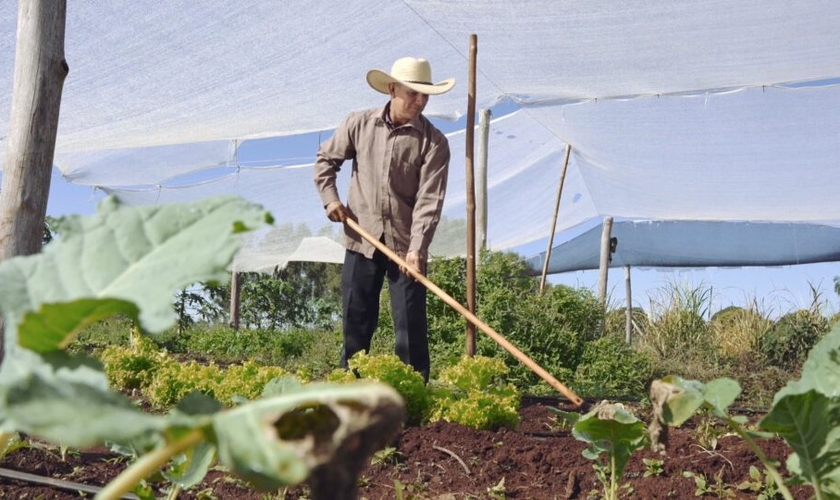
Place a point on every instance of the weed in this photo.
(409, 491)
(764, 487)
(709, 430)
(653, 467)
(719, 489)
(387, 455)
(497, 491)
(11, 441)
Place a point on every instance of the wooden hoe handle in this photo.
(565, 391)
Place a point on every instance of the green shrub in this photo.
(610, 367)
(225, 344)
(319, 357)
(550, 328)
(312, 352)
(473, 393)
(113, 331)
(787, 342)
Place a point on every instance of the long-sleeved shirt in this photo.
(398, 181)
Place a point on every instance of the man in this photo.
(397, 186)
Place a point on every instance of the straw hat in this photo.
(415, 74)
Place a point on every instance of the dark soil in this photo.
(447, 461)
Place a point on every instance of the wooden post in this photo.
(40, 70)
(605, 262)
(481, 179)
(628, 323)
(470, 334)
(235, 301)
(554, 219)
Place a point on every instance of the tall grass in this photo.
(677, 333)
(737, 331)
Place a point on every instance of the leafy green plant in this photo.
(612, 434)
(390, 370)
(719, 489)
(611, 367)
(759, 484)
(164, 381)
(142, 256)
(788, 341)
(473, 392)
(133, 367)
(387, 455)
(709, 429)
(653, 467)
(10, 442)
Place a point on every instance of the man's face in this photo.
(406, 104)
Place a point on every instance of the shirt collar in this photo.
(386, 117)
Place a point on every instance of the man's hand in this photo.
(415, 260)
(337, 212)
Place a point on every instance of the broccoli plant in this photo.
(131, 261)
(612, 434)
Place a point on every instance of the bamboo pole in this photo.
(470, 331)
(565, 391)
(554, 220)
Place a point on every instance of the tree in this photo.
(302, 294)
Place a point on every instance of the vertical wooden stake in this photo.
(481, 179)
(235, 301)
(40, 70)
(628, 323)
(554, 220)
(470, 335)
(605, 262)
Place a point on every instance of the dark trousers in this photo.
(361, 284)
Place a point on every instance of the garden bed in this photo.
(450, 461)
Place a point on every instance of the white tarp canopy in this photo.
(681, 112)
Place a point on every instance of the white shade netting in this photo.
(676, 112)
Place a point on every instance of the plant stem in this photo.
(146, 465)
(764, 460)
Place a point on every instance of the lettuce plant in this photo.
(473, 393)
(131, 261)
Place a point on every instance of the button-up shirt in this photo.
(397, 183)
